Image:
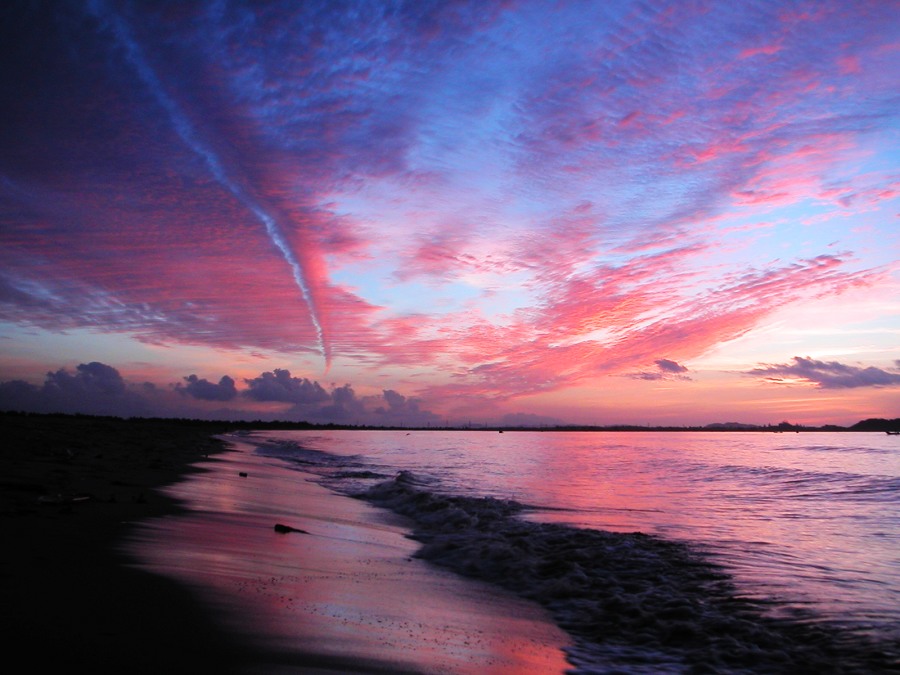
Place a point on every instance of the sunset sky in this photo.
(650, 212)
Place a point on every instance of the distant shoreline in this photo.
(223, 426)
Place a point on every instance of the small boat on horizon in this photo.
(892, 433)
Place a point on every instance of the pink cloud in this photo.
(539, 351)
(439, 255)
(849, 64)
(768, 49)
(629, 119)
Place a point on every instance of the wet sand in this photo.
(346, 591)
(72, 488)
(217, 589)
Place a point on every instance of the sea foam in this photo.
(630, 601)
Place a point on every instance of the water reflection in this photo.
(810, 519)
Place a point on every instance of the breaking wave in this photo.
(630, 601)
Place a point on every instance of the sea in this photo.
(678, 552)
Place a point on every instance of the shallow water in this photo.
(766, 552)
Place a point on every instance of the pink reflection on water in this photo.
(780, 510)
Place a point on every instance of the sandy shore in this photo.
(346, 592)
(72, 488)
(216, 588)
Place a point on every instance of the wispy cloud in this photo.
(826, 374)
(185, 129)
(666, 369)
(589, 326)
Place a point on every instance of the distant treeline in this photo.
(876, 424)
(224, 426)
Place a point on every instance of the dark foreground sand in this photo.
(78, 491)
(72, 487)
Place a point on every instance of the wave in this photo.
(630, 601)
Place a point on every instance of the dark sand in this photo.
(72, 487)
(75, 489)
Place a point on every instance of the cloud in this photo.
(207, 391)
(185, 130)
(20, 395)
(614, 320)
(280, 386)
(667, 370)
(92, 378)
(826, 374)
(311, 402)
(558, 177)
(94, 388)
(403, 411)
(99, 389)
(345, 407)
(668, 366)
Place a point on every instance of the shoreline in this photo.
(73, 489)
(81, 496)
(343, 591)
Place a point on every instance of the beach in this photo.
(92, 514)
(73, 487)
(178, 546)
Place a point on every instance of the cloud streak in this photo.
(188, 134)
(826, 374)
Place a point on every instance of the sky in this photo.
(651, 212)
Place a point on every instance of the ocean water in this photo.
(656, 552)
